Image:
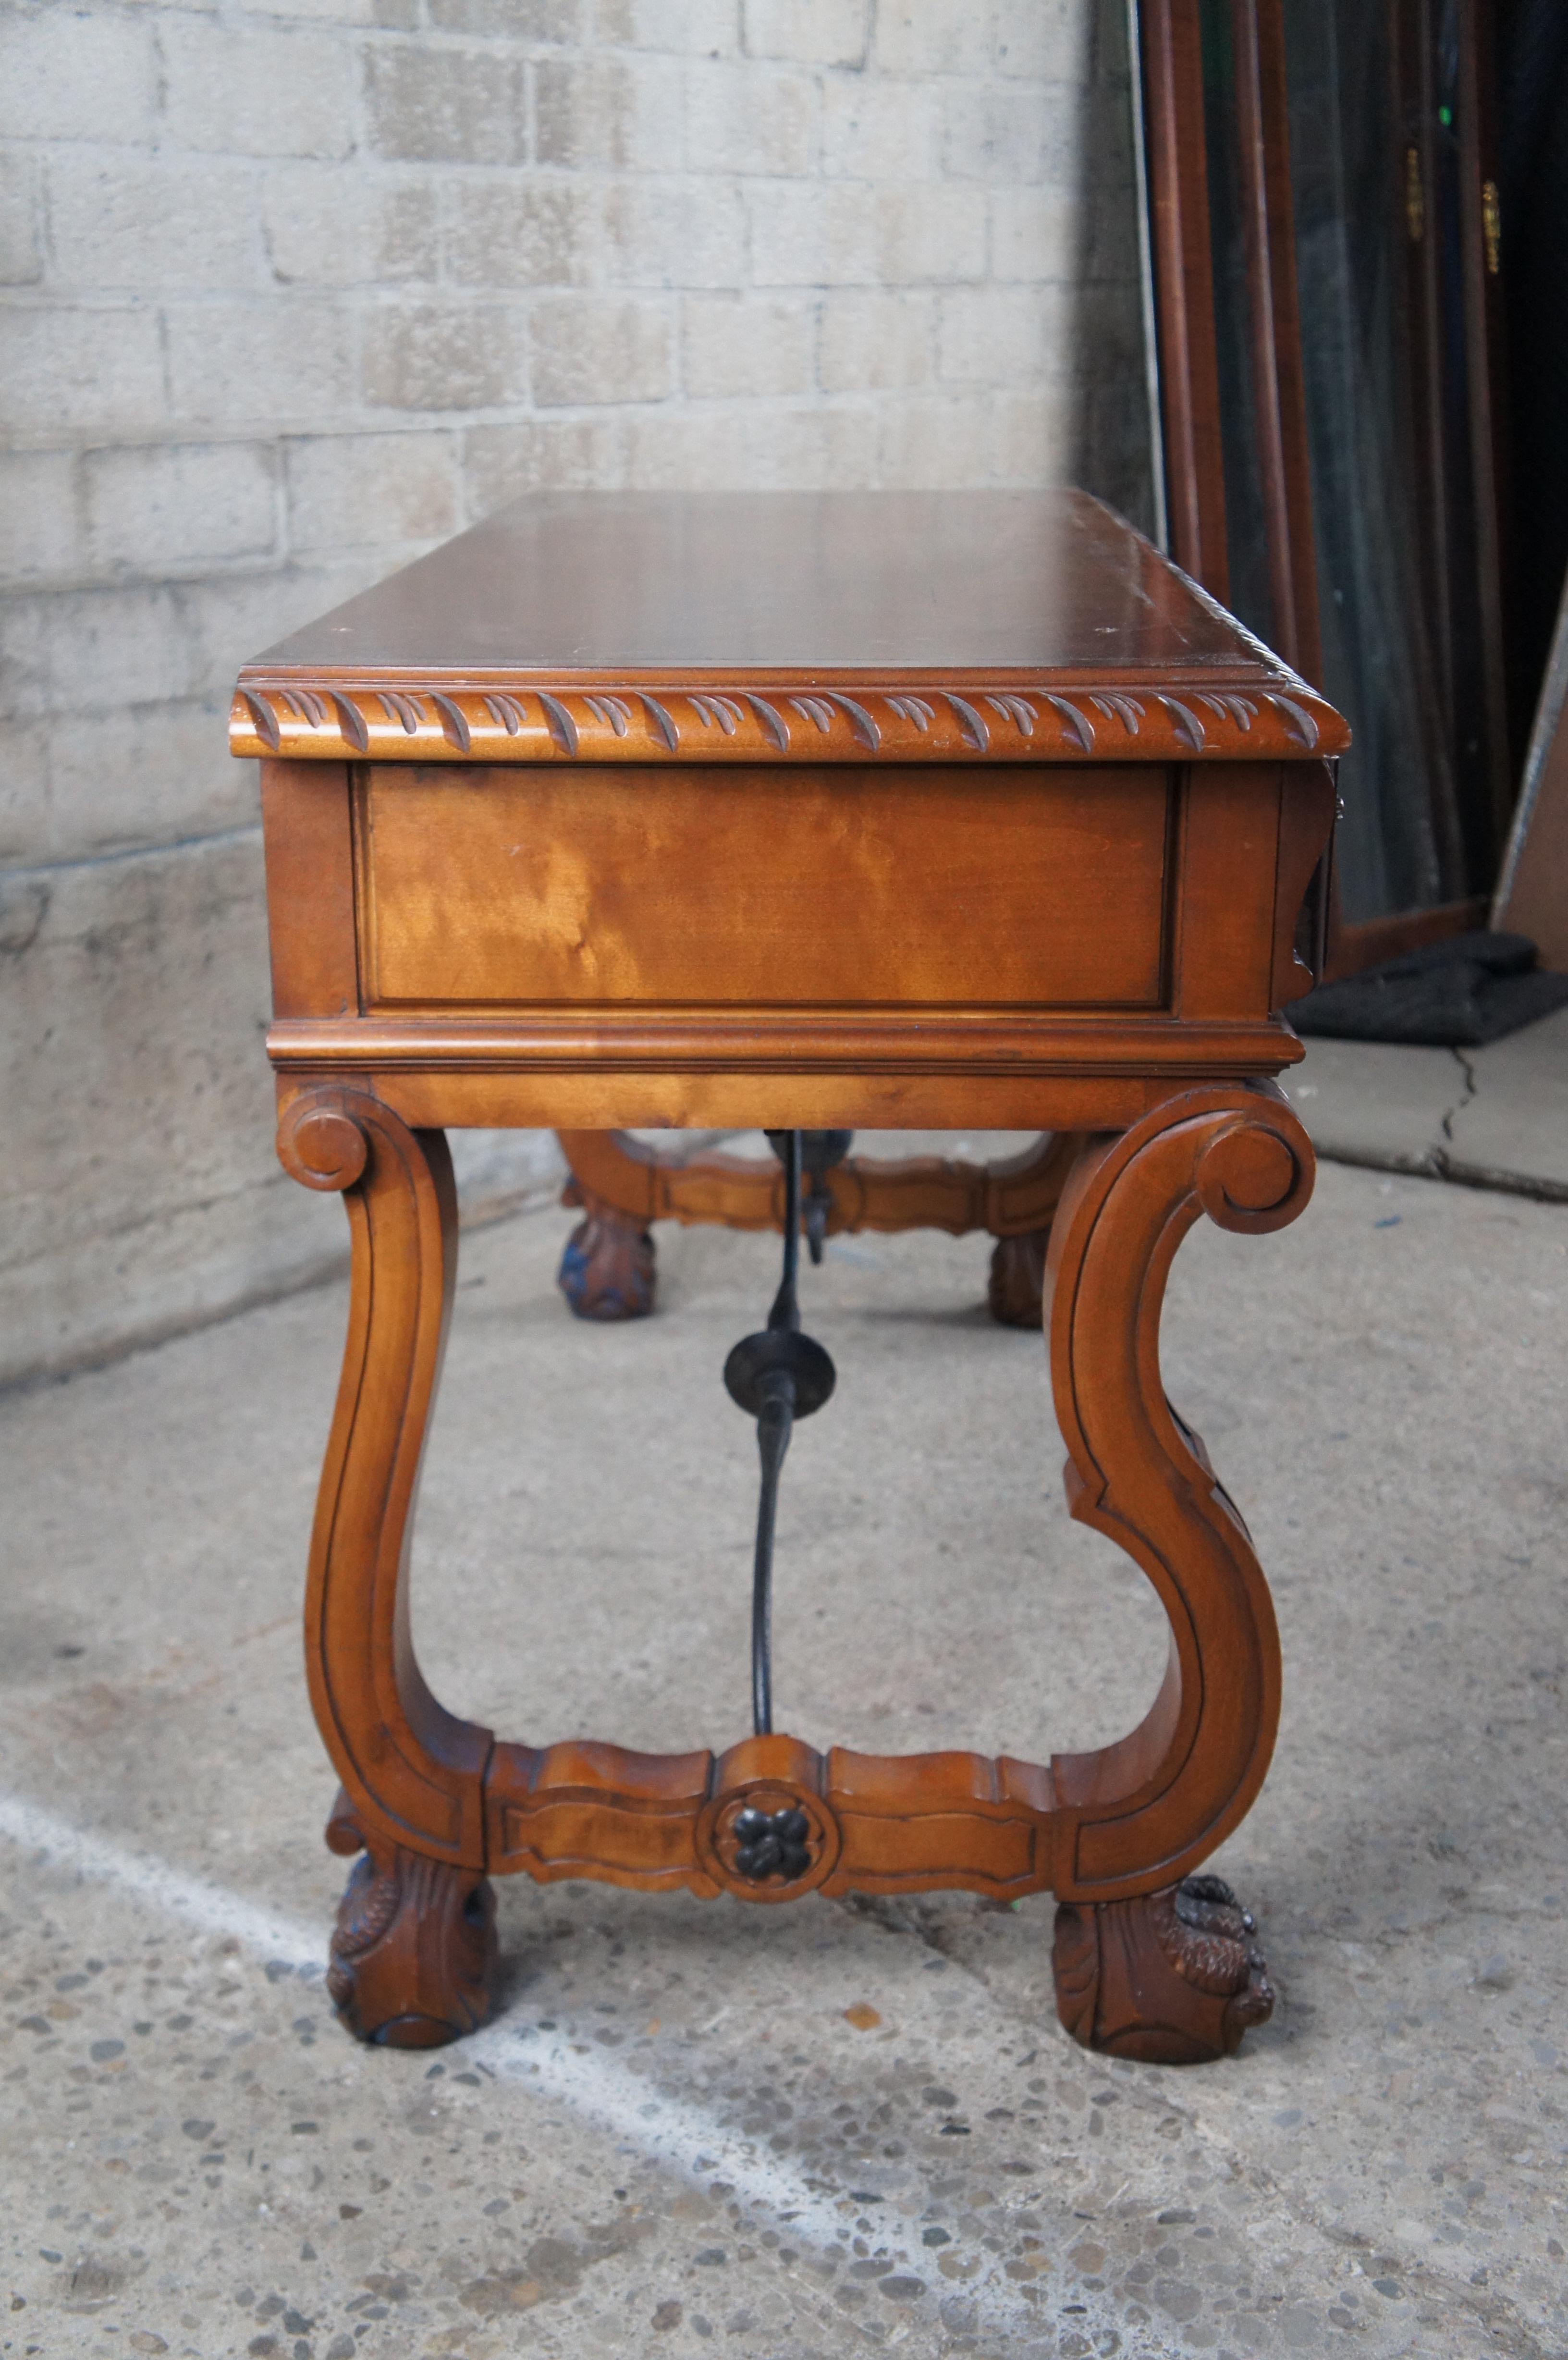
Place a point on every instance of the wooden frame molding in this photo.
(399, 719)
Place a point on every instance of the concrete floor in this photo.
(702, 2128)
(1492, 1118)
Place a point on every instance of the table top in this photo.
(913, 624)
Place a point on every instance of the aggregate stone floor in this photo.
(700, 2128)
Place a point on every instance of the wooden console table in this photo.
(902, 809)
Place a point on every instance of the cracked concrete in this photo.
(848, 2128)
(1491, 1118)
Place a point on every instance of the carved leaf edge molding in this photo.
(398, 721)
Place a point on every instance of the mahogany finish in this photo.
(1028, 846)
(564, 588)
(1170, 36)
(1257, 38)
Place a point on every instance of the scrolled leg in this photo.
(1138, 1973)
(607, 1265)
(413, 1943)
(413, 1952)
(1172, 1978)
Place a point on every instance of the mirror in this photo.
(1323, 255)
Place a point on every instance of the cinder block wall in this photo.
(292, 290)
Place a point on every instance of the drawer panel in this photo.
(504, 887)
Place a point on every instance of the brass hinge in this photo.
(1415, 197)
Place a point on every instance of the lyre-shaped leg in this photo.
(412, 1774)
(1151, 1961)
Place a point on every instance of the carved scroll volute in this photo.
(319, 1143)
(1142, 1813)
(410, 1767)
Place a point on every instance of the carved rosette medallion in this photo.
(768, 1842)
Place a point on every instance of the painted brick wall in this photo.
(291, 291)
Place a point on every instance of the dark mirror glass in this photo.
(1391, 370)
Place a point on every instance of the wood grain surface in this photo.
(592, 887)
(1058, 888)
(783, 627)
(791, 586)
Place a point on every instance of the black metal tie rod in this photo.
(776, 1376)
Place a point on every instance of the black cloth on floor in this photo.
(1456, 994)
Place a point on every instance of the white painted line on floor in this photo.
(670, 2132)
(208, 1908)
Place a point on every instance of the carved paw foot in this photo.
(606, 1270)
(1174, 1978)
(1018, 1279)
(414, 1947)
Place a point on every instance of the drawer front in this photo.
(491, 889)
